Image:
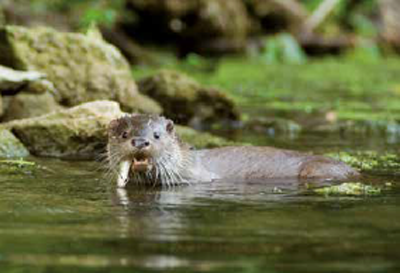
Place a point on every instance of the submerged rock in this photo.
(186, 101)
(370, 127)
(79, 132)
(10, 146)
(82, 67)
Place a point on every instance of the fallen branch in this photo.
(319, 15)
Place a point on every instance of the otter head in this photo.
(147, 144)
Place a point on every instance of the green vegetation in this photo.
(16, 166)
(370, 161)
(350, 189)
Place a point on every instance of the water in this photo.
(66, 217)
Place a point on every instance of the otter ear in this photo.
(170, 126)
(112, 127)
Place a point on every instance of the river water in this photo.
(66, 217)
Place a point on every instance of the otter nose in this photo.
(140, 143)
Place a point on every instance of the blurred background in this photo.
(324, 66)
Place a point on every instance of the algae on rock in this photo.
(82, 68)
(186, 101)
(11, 79)
(10, 146)
(349, 189)
(370, 161)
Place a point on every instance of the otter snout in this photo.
(140, 143)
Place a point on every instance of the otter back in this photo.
(267, 162)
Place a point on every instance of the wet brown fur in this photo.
(228, 162)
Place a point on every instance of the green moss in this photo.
(18, 166)
(370, 161)
(349, 189)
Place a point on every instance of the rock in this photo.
(10, 146)
(370, 161)
(1, 107)
(172, 8)
(82, 67)
(350, 189)
(197, 25)
(30, 105)
(81, 132)
(390, 26)
(40, 87)
(276, 16)
(11, 79)
(186, 101)
(78, 132)
(274, 126)
(370, 127)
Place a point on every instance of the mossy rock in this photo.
(351, 189)
(370, 161)
(11, 79)
(1, 107)
(79, 132)
(10, 146)
(215, 25)
(25, 105)
(186, 101)
(82, 67)
(202, 140)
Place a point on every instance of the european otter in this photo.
(146, 150)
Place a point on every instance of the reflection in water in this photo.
(71, 220)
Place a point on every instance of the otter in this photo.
(145, 149)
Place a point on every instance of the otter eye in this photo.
(156, 135)
(124, 135)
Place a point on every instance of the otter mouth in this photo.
(141, 163)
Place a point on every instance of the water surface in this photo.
(66, 217)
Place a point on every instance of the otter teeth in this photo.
(141, 165)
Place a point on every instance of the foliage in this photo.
(283, 48)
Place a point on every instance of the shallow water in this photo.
(66, 217)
